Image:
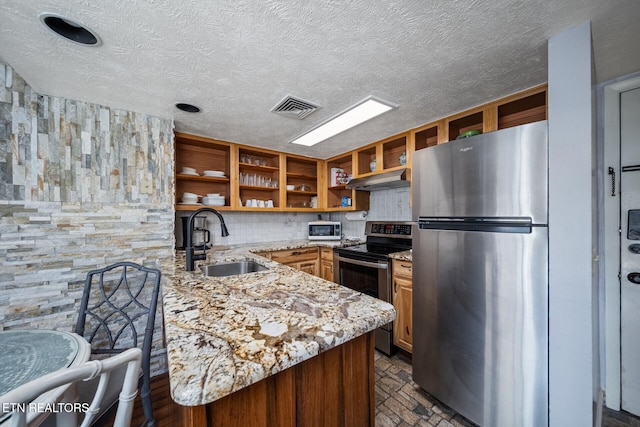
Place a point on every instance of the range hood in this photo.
(380, 181)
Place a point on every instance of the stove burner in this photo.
(383, 238)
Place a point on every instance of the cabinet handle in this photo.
(407, 328)
(395, 287)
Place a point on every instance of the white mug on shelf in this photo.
(269, 203)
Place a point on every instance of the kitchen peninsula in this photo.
(275, 347)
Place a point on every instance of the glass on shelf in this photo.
(253, 160)
(256, 180)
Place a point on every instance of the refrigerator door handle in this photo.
(495, 225)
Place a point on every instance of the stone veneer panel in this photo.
(81, 186)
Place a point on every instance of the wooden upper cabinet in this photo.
(525, 107)
(251, 173)
(258, 179)
(394, 152)
(521, 108)
(382, 156)
(337, 196)
(205, 156)
(302, 183)
(465, 122)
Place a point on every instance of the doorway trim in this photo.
(611, 238)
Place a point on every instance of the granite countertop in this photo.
(225, 333)
(402, 256)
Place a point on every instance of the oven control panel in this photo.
(390, 228)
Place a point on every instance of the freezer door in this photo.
(480, 323)
(497, 174)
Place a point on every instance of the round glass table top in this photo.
(29, 354)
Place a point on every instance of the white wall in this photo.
(609, 237)
(572, 281)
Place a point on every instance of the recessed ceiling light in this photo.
(189, 108)
(364, 110)
(70, 30)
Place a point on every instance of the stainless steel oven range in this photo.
(367, 268)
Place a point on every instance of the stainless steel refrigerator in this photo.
(480, 285)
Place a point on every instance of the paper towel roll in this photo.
(356, 216)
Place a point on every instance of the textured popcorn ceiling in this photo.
(238, 59)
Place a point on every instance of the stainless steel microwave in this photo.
(325, 230)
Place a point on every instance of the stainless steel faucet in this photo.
(192, 257)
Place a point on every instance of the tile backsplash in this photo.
(253, 227)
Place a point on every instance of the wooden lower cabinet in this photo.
(326, 264)
(303, 259)
(313, 260)
(402, 302)
(334, 388)
(310, 267)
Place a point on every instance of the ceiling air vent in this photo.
(295, 108)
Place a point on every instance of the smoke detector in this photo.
(296, 108)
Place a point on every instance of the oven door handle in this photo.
(382, 266)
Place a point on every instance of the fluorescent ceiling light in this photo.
(366, 109)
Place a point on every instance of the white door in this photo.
(630, 250)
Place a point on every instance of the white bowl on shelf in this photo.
(188, 171)
(214, 174)
(290, 187)
(213, 201)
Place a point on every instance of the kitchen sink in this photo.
(232, 268)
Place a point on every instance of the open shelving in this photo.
(364, 158)
(272, 171)
(202, 154)
(336, 193)
(523, 110)
(394, 152)
(258, 179)
(302, 174)
(426, 137)
(465, 123)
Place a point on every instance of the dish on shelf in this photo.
(291, 187)
(214, 203)
(189, 173)
(192, 204)
(216, 174)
